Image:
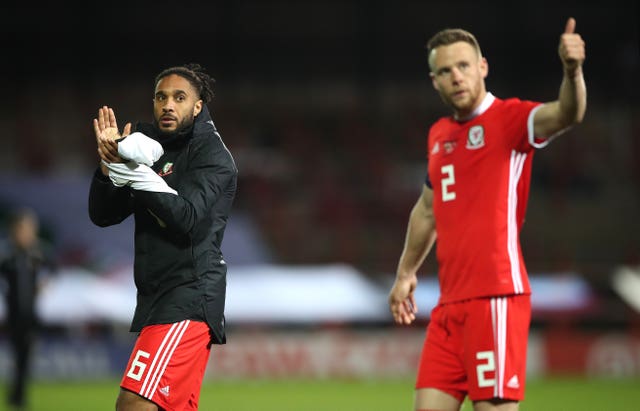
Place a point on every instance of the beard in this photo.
(462, 107)
(184, 127)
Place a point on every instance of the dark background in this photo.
(326, 105)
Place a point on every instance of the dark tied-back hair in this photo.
(196, 75)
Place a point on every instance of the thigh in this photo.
(441, 364)
(495, 346)
(167, 364)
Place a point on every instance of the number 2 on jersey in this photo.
(447, 181)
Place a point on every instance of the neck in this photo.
(483, 102)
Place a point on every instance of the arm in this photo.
(211, 170)
(558, 116)
(421, 234)
(107, 134)
(108, 205)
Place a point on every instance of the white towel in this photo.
(138, 177)
(142, 152)
(139, 148)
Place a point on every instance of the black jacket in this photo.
(179, 268)
(20, 271)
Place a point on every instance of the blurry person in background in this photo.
(178, 180)
(473, 204)
(25, 264)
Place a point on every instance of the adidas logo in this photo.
(164, 391)
(512, 383)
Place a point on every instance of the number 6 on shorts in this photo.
(137, 366)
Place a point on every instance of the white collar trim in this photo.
(484, 106)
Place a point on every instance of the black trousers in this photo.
(21, 339)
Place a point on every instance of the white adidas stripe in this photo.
(499, 323)
(164, 366)
(161, 359)
(155, 357)
(515, 172)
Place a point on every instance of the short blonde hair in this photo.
(449, 36)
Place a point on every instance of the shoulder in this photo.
(515, 104)
(207, 143)
(442, 123)
(210, 141)
(208, 148)
(205, 133)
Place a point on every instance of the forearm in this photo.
(108, 204)
(176, 212)
(420, 237)
(194, 202)
(558, 116)
(572, 98)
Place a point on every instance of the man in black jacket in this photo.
(180, 202)
(24, 267)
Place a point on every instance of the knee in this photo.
(128, 401)
(122, 403)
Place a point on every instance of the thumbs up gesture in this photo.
(571, 48)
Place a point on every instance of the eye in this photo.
(463, 66)
(160, 97)
(443, 71)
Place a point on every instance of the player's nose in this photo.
(456, 75)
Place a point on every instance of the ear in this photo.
(197, 108)
(434, 82)
(484, 67)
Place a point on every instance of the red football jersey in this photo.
(480, 172)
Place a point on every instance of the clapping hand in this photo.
(107, 134)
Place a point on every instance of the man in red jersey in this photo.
(473, 202)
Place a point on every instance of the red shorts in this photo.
(477, 348)
(167, 364)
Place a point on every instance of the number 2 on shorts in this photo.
(489, 365)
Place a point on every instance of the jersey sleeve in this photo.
(536, 141)
(520, 122)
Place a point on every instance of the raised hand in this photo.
(106, 131)
(571, 48)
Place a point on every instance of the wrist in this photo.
(404, 275)
(104, 169)
(573, 73)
